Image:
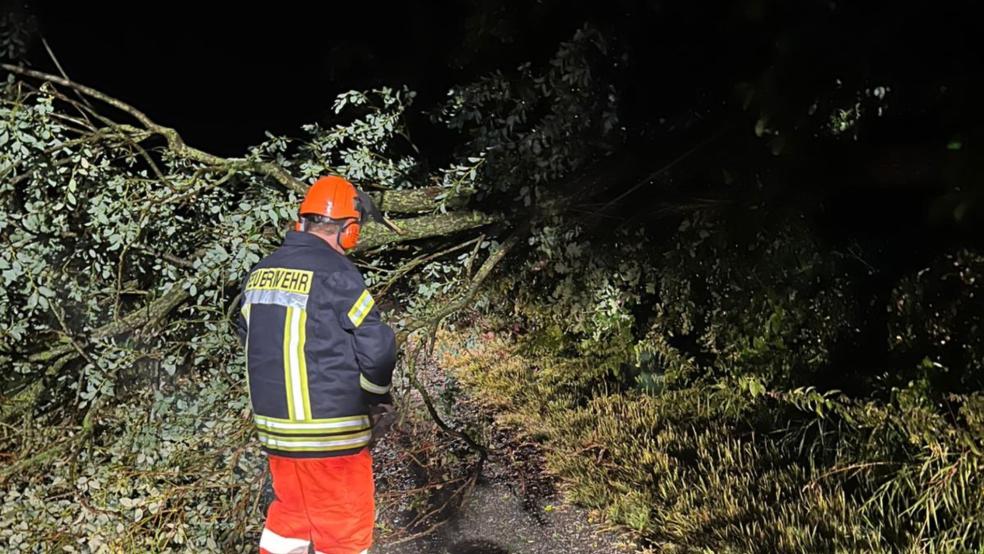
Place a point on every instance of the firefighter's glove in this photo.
(383, 416)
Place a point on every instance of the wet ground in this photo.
(431, 502)
(495, 520)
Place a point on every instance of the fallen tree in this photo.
(708, 326)
(121, 255)
(110, 138)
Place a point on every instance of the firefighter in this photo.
(319, 366)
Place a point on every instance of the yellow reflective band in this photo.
(322, 426)
(288, 374)
(298, 408)
(361, 308)
(301, 335)
(369, 386)
(281, 279)
(264, 418)
(249, 389)
(315, 444)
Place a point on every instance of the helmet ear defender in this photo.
(348, 237)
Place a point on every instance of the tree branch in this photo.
(409, 201)
(174, 141)
(419, 200)
(422, 227)
(476, 283)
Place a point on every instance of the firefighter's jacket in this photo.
(317, 354)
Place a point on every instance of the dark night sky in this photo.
(223, 79)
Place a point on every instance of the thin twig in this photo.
(61, 70)
(476, 283)
(673, 163)
(399, 272)
(482, 451)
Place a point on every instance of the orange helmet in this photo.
(337, 199)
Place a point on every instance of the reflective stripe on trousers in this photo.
(273, 543)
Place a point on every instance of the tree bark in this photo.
(421, 227)
(419, 200)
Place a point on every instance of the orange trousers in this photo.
(326, 503)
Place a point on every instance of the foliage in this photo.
(124, 408)
(663, 372)
(716, 371)
(771, 305)
(539, 125)
(793, 471)
(938, 313)
(126, 422)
